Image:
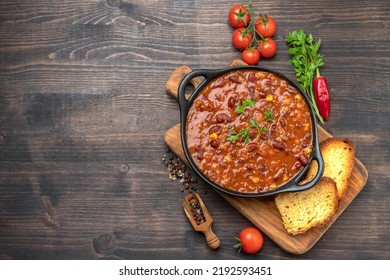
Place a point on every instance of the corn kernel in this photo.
(309, 150)
(273, 186)
(255, 179)
(228, 159)
(298, 97)
(213, 136)
(306, 126)
(269, 97)
(285, 177)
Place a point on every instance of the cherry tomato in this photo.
(251, 56)
(265, 26)
(250, 240)
(267, 48)
(241, 38)
(239, 16)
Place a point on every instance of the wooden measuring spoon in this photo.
(200, 218)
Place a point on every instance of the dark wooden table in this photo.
(83, 112)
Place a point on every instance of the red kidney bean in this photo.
(278, 145)
(252, 77)
(262, 94)
(214, 129)
(251, 91)
(243, 117)
(232, 102)
(234, 79)
(200, 154)
(303, 159)
(252, 146)
(214, 143)
(218, 83)
(222, 118)
(282, 122)
(249, 167)
(252, 133)
(209, 117)
(272, 129)
(263, 136)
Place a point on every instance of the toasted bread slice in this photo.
(304, 210)
(339, 160)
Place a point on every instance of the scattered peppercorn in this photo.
(178, 171)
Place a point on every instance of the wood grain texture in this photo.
(83, 113)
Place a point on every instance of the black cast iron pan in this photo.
(185, 103)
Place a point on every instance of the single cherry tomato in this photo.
(267, 47)
(265, 26)
(251, 56)
(239, 16)
(241, 38)
(250, 240)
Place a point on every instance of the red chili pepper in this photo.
(322, 96)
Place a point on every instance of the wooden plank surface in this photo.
(83, 113)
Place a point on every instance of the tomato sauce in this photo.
(249, 131)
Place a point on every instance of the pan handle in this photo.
(185, 100)
(316, 156)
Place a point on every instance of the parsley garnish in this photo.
(245, 103)
(261, 128)
(233, 135)
(268, 115)
(305, 59)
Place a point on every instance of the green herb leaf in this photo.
(233, 136)
(245, 133)
(305, 59)
(245, 103)
(268, 115)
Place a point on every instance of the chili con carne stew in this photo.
(249, 131)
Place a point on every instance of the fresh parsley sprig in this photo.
(234, 136)
(268, 115)
(305, 59)
(260, 128)
(244, 132)
(245, 103)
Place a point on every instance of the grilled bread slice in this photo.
(304, 210)
(339, 159)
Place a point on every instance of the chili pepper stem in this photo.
(318, 72)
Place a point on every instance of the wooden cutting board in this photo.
(262, 212)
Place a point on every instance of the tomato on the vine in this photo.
(242, 38)
(265, 26)
(250, 240)
(267, 47)
(239, 16)
(251, 56)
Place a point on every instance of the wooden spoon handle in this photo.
(212, 240)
